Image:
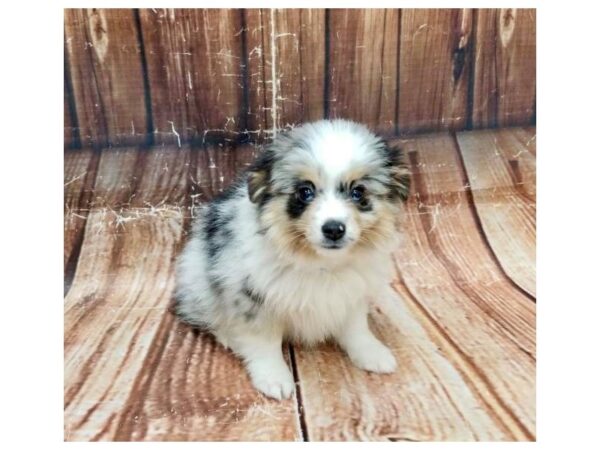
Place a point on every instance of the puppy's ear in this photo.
(259, 176)
(399, 172)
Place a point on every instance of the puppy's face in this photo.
(328, 188)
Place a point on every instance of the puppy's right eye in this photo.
(306, 193)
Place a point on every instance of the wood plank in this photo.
(113, 311)
(71, 134)
(79, 177)
(117, 178)
(426, 399)
(501, 173)
(165, 175)
(133, 177)
(195, 71)
(218, 166)
(448, 267)
(363, 55)
(195, 390)
(105, 66)
(122, 345)
(464, 337)
(286, 68)
(505, 68)
(434, 69)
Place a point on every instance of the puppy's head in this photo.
(328, 188)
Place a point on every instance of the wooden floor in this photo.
(461, 322)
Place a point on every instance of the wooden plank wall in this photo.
(181, 76)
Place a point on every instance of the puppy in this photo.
(293, 249)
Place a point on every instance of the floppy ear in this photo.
(259, 176)
(399, 172)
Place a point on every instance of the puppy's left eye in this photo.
(357, 193)
(306, 192)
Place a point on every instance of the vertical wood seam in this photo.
(68, 86)
(149, 140)
(382, 57)
(100, 141)
(472, 70)
(397, 107)
(496, 105)
(327, 65)
(299, 403)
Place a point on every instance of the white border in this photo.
(568, 223)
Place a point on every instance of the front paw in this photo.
(272, 379)
(374, 357)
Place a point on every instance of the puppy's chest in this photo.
(315, 304)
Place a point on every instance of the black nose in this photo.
(334, 230)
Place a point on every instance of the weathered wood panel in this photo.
(195, 72)
(105, 66)
(434, 67)
(363, 64)
(113, 312)
(449, 269)
(79, 177)
(166, 174)
(501, 173)
(192, 389)
(139, 178)
(71, 132)
(286, 68)
(459, 320)
(426, 399)
(217, 167)
(505, 68)
(463, 334)
(225, 74)
(122, 345)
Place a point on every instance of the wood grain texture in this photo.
(363, 64)
(426, 399)
(192, 389)
(105, 66)
(462, 331)
(218, 166)
(505, 68)
(135, 177)
(79, 177)
(113, 312)
(460, 328)
(195, 73)
(286, 68)
(445, 263)
(123, 346)
(71, 131)
(501, 173)
(434, 69)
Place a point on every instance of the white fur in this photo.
(305, 300)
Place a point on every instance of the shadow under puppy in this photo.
(293, 249)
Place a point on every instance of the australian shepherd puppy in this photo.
(293, 249)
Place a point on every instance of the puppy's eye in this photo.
(306, 193)
(357, 193)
